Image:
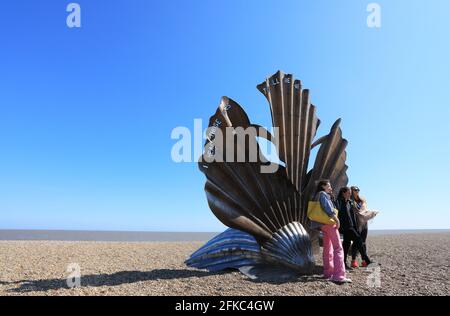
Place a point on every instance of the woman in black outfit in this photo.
(349, 226)
(363, 215)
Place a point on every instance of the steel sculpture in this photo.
(266, 211)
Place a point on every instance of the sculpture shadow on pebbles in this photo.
(279, 274)
(113, 279)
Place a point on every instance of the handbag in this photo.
(317, 214)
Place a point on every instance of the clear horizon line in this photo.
(148, 236)
(176, 231)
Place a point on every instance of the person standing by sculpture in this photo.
(348, 226)
(363, 215)
(333, 254)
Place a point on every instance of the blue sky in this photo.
(86, 114)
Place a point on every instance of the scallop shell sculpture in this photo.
(266, 211)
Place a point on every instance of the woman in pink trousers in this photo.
(333, 254)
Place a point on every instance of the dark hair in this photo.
(320, 185)
(342, 191)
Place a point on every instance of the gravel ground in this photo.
(411, 264)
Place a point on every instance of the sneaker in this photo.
(343, 281)
(354, 264)
(364, 264)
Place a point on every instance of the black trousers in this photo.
(363, 235)
(359, 244)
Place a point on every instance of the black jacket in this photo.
(346, 215)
